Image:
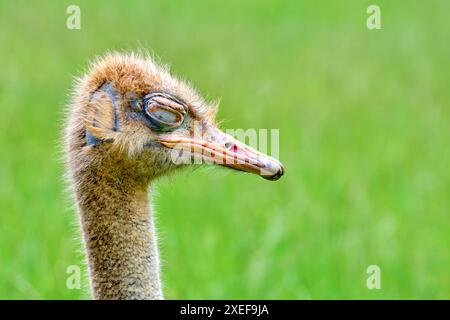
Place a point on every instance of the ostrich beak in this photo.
(217, 147)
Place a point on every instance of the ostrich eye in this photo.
(163, 115)
(163, 112)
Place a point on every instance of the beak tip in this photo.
(276, 176)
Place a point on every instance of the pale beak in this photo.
(217, 147)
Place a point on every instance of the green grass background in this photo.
(364, 135)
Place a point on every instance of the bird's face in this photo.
(140, 111)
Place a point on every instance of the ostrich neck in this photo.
(119, 235)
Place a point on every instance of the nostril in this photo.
(231, 146)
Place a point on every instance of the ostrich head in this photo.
(133, 112)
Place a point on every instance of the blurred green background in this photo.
(364, 129)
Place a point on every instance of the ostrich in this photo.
(130, 122)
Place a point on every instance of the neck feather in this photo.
(119, 235)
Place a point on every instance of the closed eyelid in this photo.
(156, 111)
(163, 112)
(169, 102)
